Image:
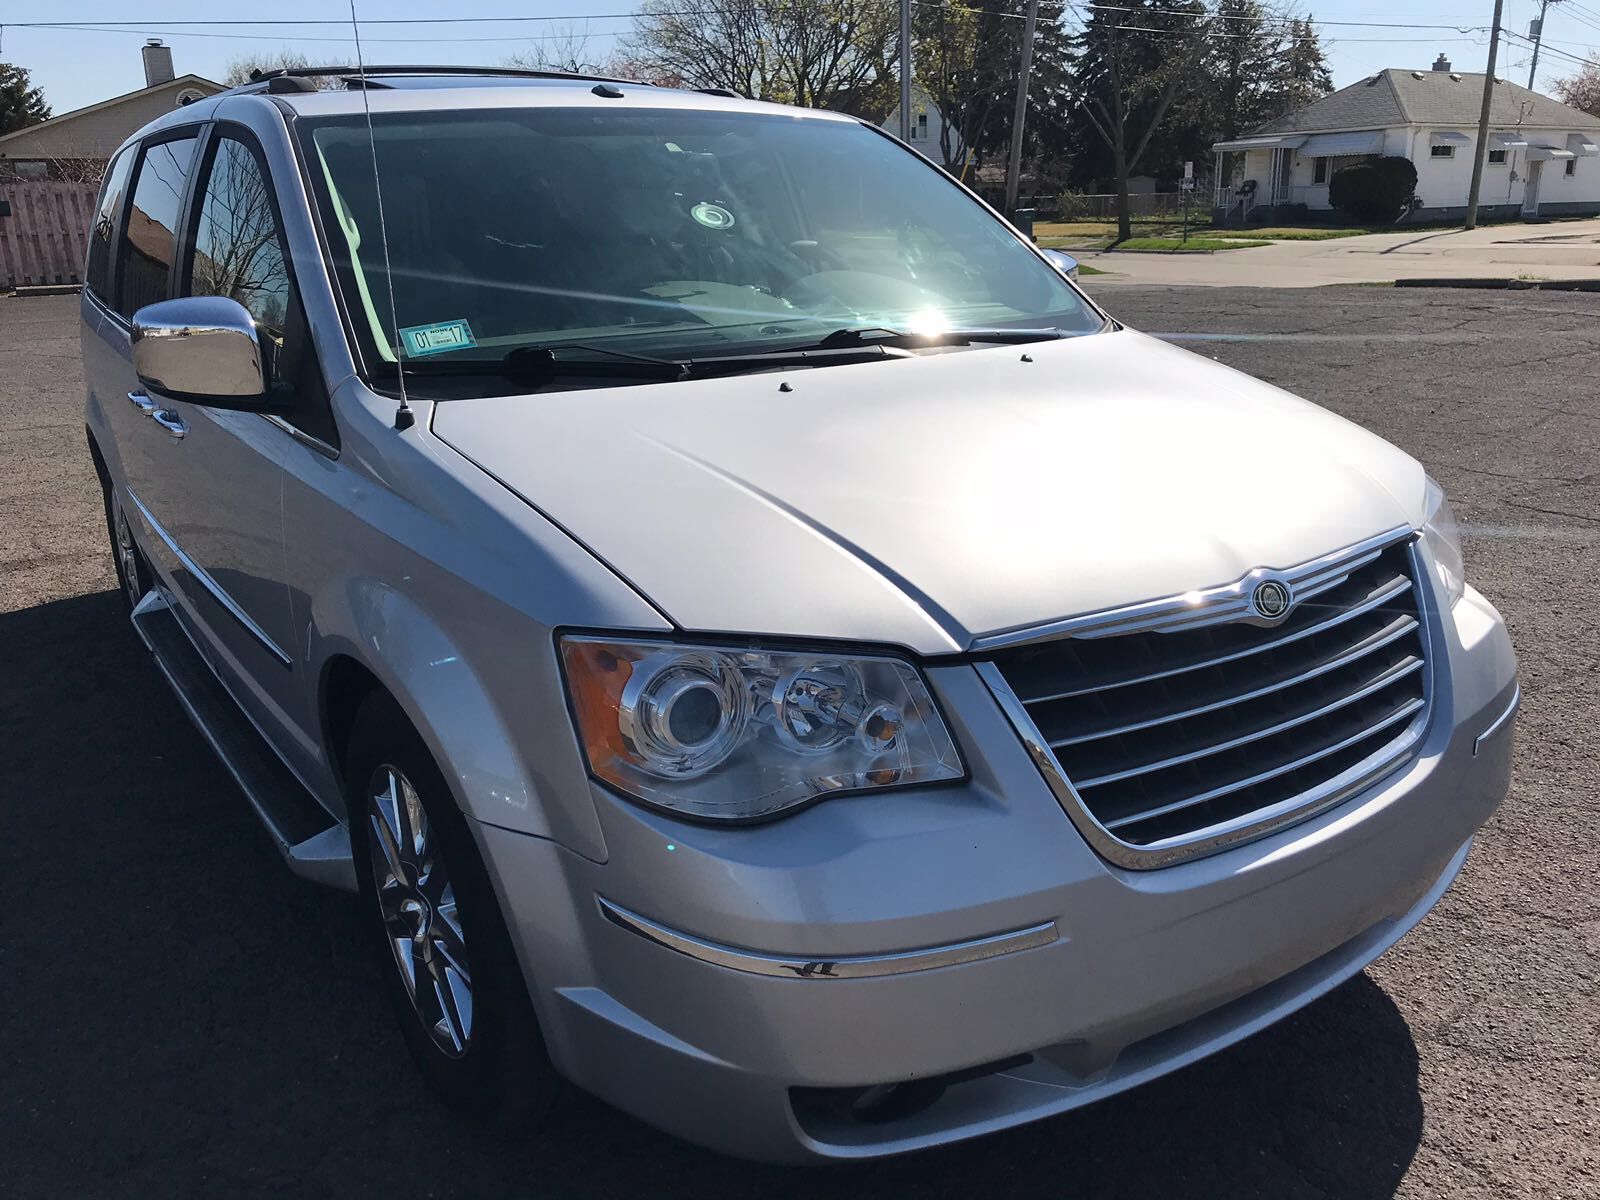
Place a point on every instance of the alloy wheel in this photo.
(127, 555)
(417, 904)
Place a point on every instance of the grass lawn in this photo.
(1194, 245)
(1289, 233)
(1086, 269)
(1099, 235)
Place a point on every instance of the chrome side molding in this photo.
(862, 966)
(1499, 722)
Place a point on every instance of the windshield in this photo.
(660, 232)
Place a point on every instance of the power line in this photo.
(136, 25)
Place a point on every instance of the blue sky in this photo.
(79, 66)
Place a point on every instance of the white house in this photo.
(1543, 157)
(927, 127)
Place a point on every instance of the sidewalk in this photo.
(1560, 250)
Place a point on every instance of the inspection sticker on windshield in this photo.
(420, 340)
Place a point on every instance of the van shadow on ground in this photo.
(188, 1018)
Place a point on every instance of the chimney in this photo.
(1439, 64)
(157, 62)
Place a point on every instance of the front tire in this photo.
(133, 573)
(442, 945)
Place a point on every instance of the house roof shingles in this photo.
(1398, 97)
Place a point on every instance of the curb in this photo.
(47, 289)
(1511, 285)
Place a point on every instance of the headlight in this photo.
(1441, 537)
(735, 734)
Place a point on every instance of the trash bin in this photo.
(1022, 218)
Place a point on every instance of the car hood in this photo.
(930, 501)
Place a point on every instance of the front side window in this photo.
(97, 273)
(145, 269)
(1497, 158)
(239, 251)
(1442, 151)
(1319, 170)
(238, 247)
(661, 233)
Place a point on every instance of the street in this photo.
(1553, 250)
(184, 1017)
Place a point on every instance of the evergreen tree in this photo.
(21, 104)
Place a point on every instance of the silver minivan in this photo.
(765, 646)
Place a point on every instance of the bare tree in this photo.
(243, 68)
(1582, 90)
(564, 49)
(818, 53)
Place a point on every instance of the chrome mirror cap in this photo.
(201, 348)
(1061, 261)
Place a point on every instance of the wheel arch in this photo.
(386, 641)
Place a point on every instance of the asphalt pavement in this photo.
(182, 1017)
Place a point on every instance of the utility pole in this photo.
(1536, 36)
(1482, 147)
(1014, 165)
(905, 70)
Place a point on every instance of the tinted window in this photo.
(238, 248)
(147, 242)
(97, 275)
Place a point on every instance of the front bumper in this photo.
(1146, 971)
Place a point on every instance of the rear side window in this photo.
(145, 267)
(97, 275)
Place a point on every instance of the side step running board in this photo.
(315, 845)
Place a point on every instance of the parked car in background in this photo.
(765, 647)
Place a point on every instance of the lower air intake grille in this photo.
(1203, 735)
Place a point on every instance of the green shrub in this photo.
(1377, 190)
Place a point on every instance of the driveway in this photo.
(185, 1018)
(1558, 250)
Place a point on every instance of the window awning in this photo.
(1538, 153)
(1284, 141)
(1447, 137)
(1508, 141)
(1583, 144)
(1328, 145)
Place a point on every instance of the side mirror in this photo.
(1062, 261)
(201, 348)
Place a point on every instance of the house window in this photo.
(1441, 151)
(922, 126)
(1319, 170)
(1497, 158)
(1572, 166)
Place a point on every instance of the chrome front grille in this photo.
(1173, 737)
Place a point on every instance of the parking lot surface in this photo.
(183, 1017)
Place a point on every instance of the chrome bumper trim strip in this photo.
(1498, 722)
(864, 966)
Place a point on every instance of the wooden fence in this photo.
(46, 235)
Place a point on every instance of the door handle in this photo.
(170, 421)
(142, 402)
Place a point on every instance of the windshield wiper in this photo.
(879, 336)
(540, 366)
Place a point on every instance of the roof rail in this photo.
(259, 76)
